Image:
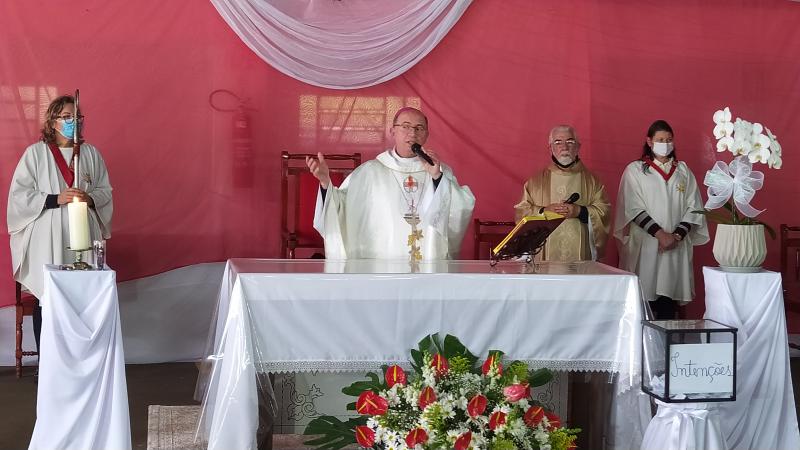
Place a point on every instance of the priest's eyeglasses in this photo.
(569, 143)
(408, 128)
(69, 118)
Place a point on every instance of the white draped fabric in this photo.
(687, 426)
(763, 415)
(299, 316)
(82, 398)
(341, 45)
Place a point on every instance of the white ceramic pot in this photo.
(740, 246)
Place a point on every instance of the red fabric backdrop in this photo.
(191, 185)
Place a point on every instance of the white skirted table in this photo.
(306, 315)
(763, 415)
(82, 399)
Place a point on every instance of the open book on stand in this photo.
(527, 238)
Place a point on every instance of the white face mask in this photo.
(662, 148)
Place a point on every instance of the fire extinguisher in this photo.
(242, 138)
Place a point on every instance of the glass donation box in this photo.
(689, 361)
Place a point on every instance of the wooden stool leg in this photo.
(18, 352)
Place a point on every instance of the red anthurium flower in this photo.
(463, 441)
(372, 404)
(533, 416)
(439, 364)
(517, 392)
(415, 437)
(365, 436)
(555, 421)
(395, 375)
(492, 361)
(496, 419)
(426, 397)
(476, 405)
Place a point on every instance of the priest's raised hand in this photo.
(319, 168)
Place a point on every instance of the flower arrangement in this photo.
(733, 186)
(451, 402)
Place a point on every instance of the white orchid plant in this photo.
(733, 186)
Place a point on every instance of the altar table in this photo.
(306, 315)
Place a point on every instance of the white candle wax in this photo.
(78, 225)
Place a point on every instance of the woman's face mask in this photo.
(67, 128)
(662, 148)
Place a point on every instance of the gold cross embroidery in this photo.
(681, 187)
(414, 238)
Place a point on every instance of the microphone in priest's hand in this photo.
(417, 149)
(573, 198)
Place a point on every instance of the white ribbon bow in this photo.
(682, 422)
(738, 180)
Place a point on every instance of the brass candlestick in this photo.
(79, 264)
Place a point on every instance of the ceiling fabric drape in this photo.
(342, 44)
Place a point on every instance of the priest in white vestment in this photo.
(583, 234)
(395, 206)
(41, 188)
(655, 224)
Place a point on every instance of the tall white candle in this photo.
(78, 225)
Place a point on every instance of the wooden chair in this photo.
(488, 234)
(298, 198)
(790, 275)
(25, 305)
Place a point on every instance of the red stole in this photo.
(66, 170)
(664, 175)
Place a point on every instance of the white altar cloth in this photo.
(304, 315)
(763, 415)
(82, 398)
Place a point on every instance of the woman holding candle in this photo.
(43, 184)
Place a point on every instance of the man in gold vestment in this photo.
(582, 236)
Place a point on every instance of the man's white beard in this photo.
(565, 160)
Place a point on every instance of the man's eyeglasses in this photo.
(69, 118)
(568, 143)
(408, 128)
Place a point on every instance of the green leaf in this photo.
(770, 230)
(437, 344)
(540, 377)
(331, 433)
(373, 384)
(716, 216)
(454, 347)
(417, 360)
(425, 344)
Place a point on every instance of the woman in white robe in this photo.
(37, 217)
(655, 223)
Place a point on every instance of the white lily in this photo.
(724, 126)
(742, 129)
(725, 144)
(759, 154)
(723, 115)
(775, 160)
(741, 146)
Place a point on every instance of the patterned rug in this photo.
(173, 428)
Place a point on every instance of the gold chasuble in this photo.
(572, 240)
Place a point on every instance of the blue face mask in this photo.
(67, 129)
